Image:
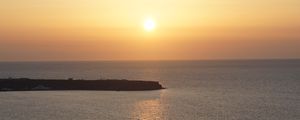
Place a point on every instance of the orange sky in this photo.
(113, 29)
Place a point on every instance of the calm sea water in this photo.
(197, 90)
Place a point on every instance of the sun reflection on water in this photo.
(150, 109)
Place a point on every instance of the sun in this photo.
(149, 24)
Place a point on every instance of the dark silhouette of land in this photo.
(25, 84)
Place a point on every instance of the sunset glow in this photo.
(117, 29)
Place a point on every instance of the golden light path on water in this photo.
(150, 109)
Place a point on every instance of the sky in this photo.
(59, 30)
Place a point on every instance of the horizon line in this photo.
(144, 60)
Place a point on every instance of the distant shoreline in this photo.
(26, 84)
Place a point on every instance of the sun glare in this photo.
(149, 24)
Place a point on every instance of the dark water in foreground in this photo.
(208, 90)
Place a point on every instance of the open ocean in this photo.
(196, 90)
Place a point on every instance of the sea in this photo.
(196, 90)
